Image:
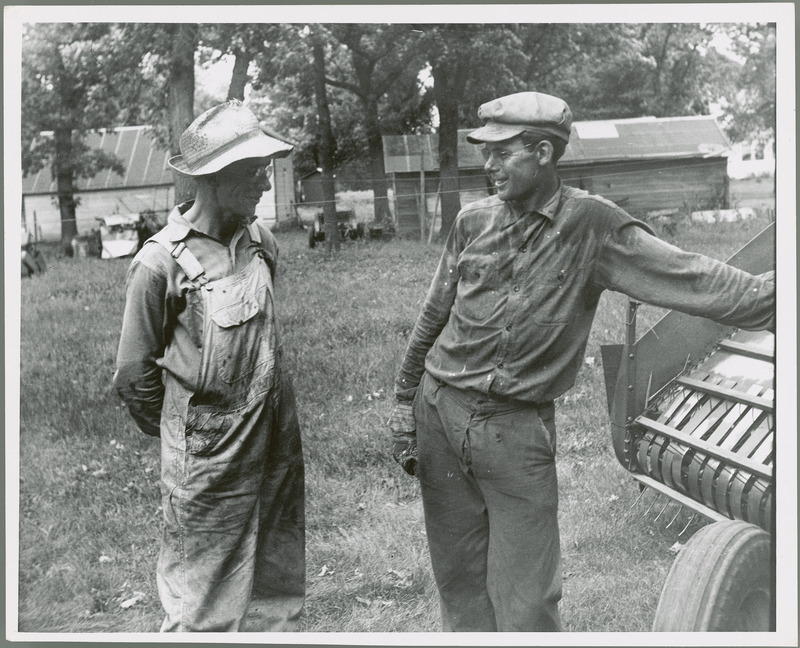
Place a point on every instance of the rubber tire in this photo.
(720, 582)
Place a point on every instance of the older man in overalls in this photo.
(199, 364)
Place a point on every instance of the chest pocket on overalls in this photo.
(239, 312)
(477, 287)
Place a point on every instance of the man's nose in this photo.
(262, 179)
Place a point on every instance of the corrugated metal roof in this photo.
(645, 138)
(144, 160)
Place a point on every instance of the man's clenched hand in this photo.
(404, 437)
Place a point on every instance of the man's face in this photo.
(240, 186)
(512, 167)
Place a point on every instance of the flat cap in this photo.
(531, 112)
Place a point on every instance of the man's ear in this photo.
(544, 152)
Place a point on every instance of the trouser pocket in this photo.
(205, 428)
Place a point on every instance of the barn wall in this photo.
(641, 187)
(407, 188)
(275, 204)
(93, 205)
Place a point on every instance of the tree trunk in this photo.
(64, 172)
(448, 87)
(325, 146)
(239, 76)
(380, 187)
(180, 101)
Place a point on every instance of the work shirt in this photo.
(158, 333)
(510, 307)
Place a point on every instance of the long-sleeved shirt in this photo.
(158, 332)
(510, 307)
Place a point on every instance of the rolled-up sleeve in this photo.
(650, 270)
(138, 375)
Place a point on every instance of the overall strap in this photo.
(255, 234)
(183, 257)
(255, 239)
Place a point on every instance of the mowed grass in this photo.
(89, 501)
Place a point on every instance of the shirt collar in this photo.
(548, 210)
(180, 227)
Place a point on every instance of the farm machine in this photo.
(693, 419)
(346, 224)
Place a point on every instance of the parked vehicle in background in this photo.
(346, 223)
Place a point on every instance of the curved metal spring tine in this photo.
(691, 519)
(662, 510)
(675, 517)
(638, 497)
(655, 499)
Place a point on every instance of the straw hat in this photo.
(222, 135)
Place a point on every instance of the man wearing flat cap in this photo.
(501, 334)
(199, 364)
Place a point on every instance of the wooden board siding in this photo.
(146, 184)
(406, 204)
(640, 187)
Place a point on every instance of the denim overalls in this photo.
(232, 466)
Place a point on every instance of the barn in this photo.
(646, 165)
(146, 186)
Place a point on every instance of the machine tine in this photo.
(655, 499)
(691, 519)
(662, 510)
(638, 497)
(675, 517)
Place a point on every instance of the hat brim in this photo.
(496, 132)
(260, 146)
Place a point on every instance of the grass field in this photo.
(89, 505)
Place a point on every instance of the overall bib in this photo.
(233, 547)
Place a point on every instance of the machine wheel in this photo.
(720, 582)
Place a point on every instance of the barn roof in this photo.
(144, 160)
(644, 138)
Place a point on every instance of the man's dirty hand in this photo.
(405, 453)
(404, 437)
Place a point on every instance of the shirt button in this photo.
(561, 275)
(524, 248)
(500, 365)
(508, 327)
(516, 288)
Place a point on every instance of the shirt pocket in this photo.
(478, 291)
(556, 295)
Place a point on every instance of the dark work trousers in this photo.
(490, 495)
